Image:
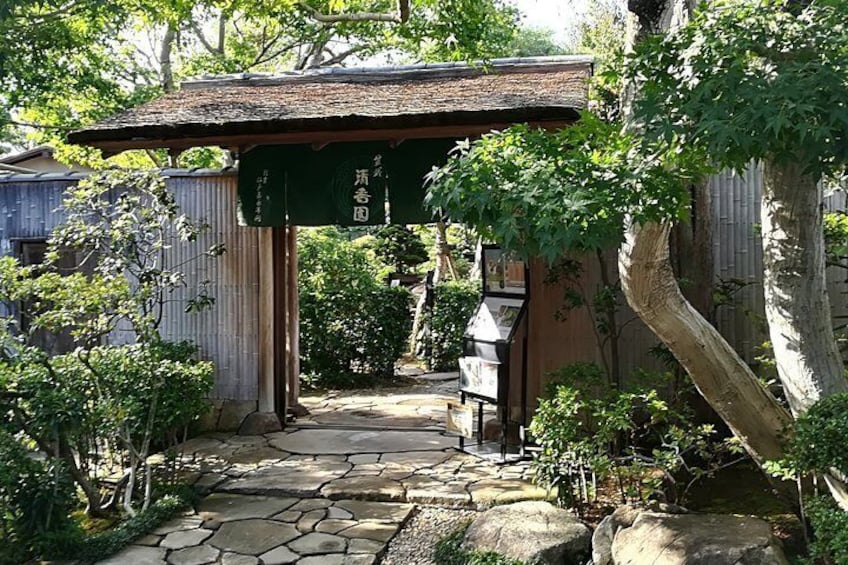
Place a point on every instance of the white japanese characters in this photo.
(261, 184)
(361, 195)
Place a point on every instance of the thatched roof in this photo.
(297, 107)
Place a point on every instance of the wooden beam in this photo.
(281, 313)
(317, 137)
(266, 320)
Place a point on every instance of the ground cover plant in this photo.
(449, 551)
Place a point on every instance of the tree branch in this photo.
(400, 16)
(202, 37)
(337, 59)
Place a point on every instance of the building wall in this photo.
(227, 333)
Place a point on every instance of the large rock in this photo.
(260, 423)
(533, 532)
(623, 517)
(605, 533)
(696, 539)
(233, 413)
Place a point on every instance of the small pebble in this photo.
(416, 542)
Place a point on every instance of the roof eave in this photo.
(321, 130)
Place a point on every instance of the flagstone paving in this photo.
(319, 496)
(421, 404)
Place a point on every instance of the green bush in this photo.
(820, 435)
(589, 432)
(818, 446)
(352, 328)
(168, 372)
(36, 497)
(96, 404)
(453, 306)
(76, 545)
(830, 524)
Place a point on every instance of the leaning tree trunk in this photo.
(797, 306)
(652, 290)
(719, 374)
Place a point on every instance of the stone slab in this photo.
(186, 538)
(366, 487)
(318, 543)
(279, 556)
(359, 545)
(290, 477)
(347, 442)
(197, 555)
(377, 531)
(178, 525)
(238, 559)
(226, 507)
(377, 511)
(252, 537)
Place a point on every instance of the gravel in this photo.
(415, 543)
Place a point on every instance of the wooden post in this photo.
(281, 308)
(293, 320)
(266, 320)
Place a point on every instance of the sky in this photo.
(557, 15)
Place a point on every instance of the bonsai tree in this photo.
(399, 247)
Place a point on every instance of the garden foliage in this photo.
(453, 305)
(89, 419)
(648, 447)
(400, 247)
(543, 194)
(817, 446)
(353, 328)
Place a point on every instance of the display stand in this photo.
(489, 347)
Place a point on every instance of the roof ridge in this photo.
(392, 72)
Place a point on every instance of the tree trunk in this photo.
(165, 63)
(797, 306)
(808, 361)
(718, 372)
(651, 288)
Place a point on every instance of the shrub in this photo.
(830, 524)
(75, 544)
(453, 306)
(352, 328)
(399, 247)
(36, 497)
(590, 432)
(106, 407)
(818, 444)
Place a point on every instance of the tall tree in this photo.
(113, 55)
(761, 81)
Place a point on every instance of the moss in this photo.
(78, 545)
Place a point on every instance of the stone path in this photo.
(235, 529)
(419, 405)
(387, 466)
(318, 496)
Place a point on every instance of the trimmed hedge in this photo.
(453, 305)
(352, 328)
